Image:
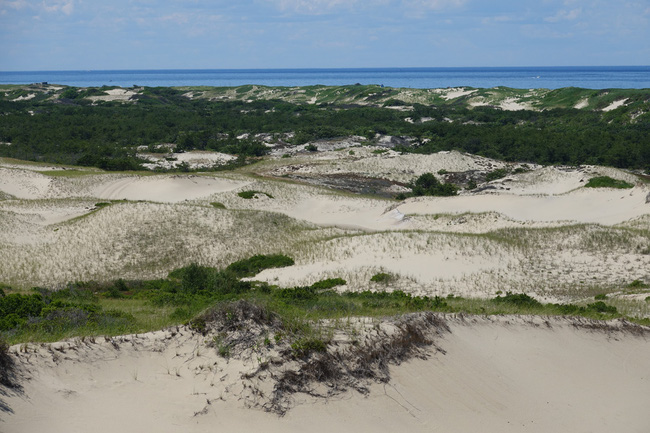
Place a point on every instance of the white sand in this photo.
(614, 105)
(114, 95)
(603, 206)
(168, 189)
(500, 374)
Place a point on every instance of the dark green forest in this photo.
(73, 130)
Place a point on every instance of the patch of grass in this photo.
(638, 284)
(607, 182)
(217, 205)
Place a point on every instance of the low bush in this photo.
(496, 174)
(607, 182)
(328, 283)
(256, 264)
(428, 185)
(381, 277)
(518, 299)
(252, 194)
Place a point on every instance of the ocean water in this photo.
(632, 77)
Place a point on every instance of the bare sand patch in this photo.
(602, 206)
(168, 189)
(118, 94)
(24, 183)
(614, 105)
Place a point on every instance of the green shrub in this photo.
(600, 297)
(311, 148)
(328, 283)
(428, 185)
(297, 294)
(381, 277)
(15, 309)
(496, 174)
(251, 194)
(518, 299)
(217, 205)
(607, 182)
(601, 307)
(256, 264)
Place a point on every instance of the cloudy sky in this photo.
(224, 34)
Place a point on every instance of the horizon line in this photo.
(326, 68)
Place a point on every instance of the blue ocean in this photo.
(632, 77)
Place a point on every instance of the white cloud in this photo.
(499, 19)
(312, 7)
(434, 4)
(564, 15)
(17, 4)
(317, 7)
(64, 6)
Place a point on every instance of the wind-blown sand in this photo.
(494, 374)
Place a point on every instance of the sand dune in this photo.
(504, 374)
(167, 189)
(608, 206)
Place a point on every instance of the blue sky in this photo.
(188, 34)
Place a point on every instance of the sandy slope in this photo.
(42, 240)
(607, 206)
(501, 374)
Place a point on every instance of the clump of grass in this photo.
(607, 182)
(217, 205)
(638, 284)
(252, 194)
(382, 277)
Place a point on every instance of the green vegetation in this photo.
(256, 264)
(91, 309)
(217, 205)
(251, 194)
(428, 184)
(607, 182)
(381, 277)
(66, 128)
(496, 174)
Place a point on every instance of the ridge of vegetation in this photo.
(122, 307)
(108, 134)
